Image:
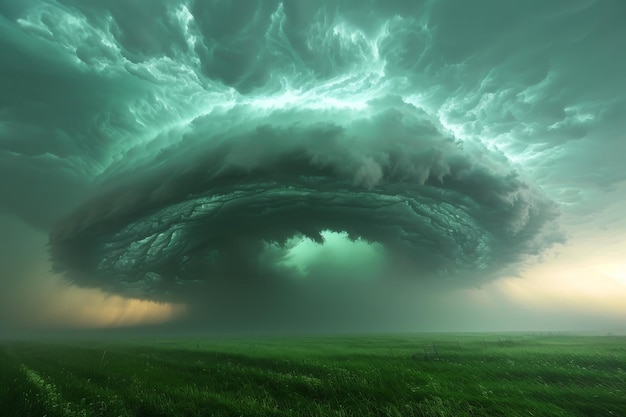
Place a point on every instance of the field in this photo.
(383, 375)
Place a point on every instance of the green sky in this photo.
(313, 165)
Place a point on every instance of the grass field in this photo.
(399, 375)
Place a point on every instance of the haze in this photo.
(312, 166)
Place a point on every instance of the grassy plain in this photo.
(373, 375)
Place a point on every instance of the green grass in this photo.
(472, 375)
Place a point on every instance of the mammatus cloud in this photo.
(204, 151)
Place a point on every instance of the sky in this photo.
(312, 166)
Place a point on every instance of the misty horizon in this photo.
(294, 167)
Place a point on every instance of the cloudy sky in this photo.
(327, 165)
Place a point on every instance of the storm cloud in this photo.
(276, 156)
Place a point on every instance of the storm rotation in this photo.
(233, 151)
(301, 124)
(392, 178)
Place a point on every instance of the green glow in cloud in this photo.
(203, 151)
(345, 258)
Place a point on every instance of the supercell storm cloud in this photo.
(391, 177)
(211, 149)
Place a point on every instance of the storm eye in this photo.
(282, 153)
(279, 203)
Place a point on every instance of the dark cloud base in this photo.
(193, 150)
(208, 222)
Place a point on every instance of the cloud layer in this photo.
(204, 151)
(209, 209)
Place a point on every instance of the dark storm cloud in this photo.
(535, 77)
(213, 205)
(205, 139)
(56, 122)
(145, 28)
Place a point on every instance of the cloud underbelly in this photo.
(225, 208)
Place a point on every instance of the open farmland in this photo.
(383, 375)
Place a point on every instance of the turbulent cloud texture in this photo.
(207, 151)
(212, 207)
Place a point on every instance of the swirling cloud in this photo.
(217, 150)
(211, 206)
